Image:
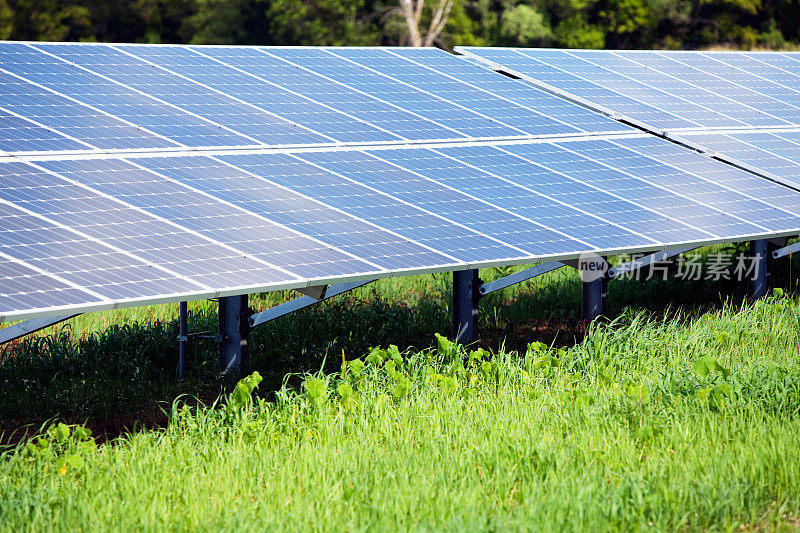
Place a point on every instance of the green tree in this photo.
(43, 20)
(321, 22)
(524, 25)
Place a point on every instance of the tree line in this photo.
(671, 24)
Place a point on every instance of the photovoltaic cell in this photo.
(666, 90)
(410, 226)
(214, 109)
(81, 261)
(270, 87)
(346, 100)
(484, 218)
(207, 215)
(23, 289)
(257, 186)
(20, 135)
(533, 99)
(562, 71)
(116, 225)
(776, 153)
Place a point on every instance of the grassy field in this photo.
(680, 414)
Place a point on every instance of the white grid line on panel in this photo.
(744, 165)
(387, 145)
(142, 93)
(48, 156)
(100, 241)
(423, 91)
(48, 128)
(610, 193)
(55, 277)
(175, 225)
(671, 192)
(510, 100)
(651, 104)
(254, 214)
(299, 95)
(359, 91)
(203, 85)
(722, 185)
(721, 62)
(571, 97)
(426, 211)
(759, 148)
(84, 104)
(552, 199)
(689, 83)
(516, 215)
(316, 201)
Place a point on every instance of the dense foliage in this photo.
(562, 23)
(675, 425)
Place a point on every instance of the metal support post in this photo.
(465, 304)
(234, 329)
(303, 302)
(758, 280)
(594, 273)
(16, 331)
(183, 340)
(519, 277)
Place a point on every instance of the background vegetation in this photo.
(560, 23)
(671, 419)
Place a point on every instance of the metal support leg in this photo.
(234, 329)
(595, 285)
(465, 304)
(758, 281)
(183, 340)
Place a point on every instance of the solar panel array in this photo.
(745, 107)
(136, 174)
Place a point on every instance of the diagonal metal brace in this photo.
(29, 326)
(647, 260)
(303, 302)
(518, 277)
(786, 250)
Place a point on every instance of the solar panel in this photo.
(135, 174)
(664, 90)
(737, 105)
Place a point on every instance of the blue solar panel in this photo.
(25, 289)
(209, 107)
(49, 110)
(489, 110)
(407, 222)
(531, 98)
(708, 95)
(82, 261)
(176, 220)
(65, 78)
(688, 89)
(567, 73)
(260, 190)
(154, 241)
(725, 207)
(271, 85)
(448, 204)
(553, 198)
(21, 135)
(207, 215)
(346, 100)
(776, 153)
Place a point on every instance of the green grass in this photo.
(681, 414)
(622, 431)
